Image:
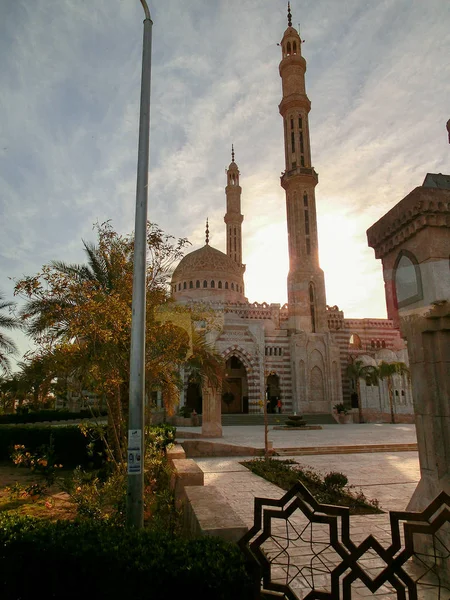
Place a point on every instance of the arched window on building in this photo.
(408, 279)
(372, 344)
(355, 341)
(383, 344)
(205, 283)
(213, 284)
(179, 286)
(232, 286)
(197, 284)
(191, 285)
(219, 285)
(184, 285)
(226, 285)
(288, 49)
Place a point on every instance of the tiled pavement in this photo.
(390, 477)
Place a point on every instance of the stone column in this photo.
(428, 337)
(212, 412)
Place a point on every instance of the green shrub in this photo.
(101, 560)
(335, 480)
(68, 442)
(286, 473)
(48, 415)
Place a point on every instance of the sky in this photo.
(378, 77)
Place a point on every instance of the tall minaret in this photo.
(306, 286)
(233, 217)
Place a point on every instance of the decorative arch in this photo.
(317, 386)
(355, 341)
(407, 279)
(252, 366)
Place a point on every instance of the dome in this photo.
(208, 273)
(206, 259)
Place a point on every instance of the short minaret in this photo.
(306, 285)
(233, 217)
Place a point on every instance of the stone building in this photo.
(297, 352)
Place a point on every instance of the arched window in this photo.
(179, 286)
(213, 284)
(408, 279)
(191, 285)
(378, 344)
(288, 48)
(197, 284)
(232, 286)
(226, 285)
(294, 48)
(184, 285)
(220, 285)
(355, 341)
(372, 343)
(312, 307)
(383, 344)
(205, 283)
(396, 392)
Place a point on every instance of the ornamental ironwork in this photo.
(303, 550)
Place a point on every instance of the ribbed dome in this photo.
(207, 274)
(206, 259)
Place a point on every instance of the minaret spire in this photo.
(232, 153)
(207, 231)
(289, 15)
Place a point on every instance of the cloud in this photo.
(69, 95)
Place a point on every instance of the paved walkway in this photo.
(329, 435)
(390, 477)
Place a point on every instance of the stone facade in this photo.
(413, 242)
(297, 352)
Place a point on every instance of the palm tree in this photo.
(357, 370)
(387, 371)
(7, 345)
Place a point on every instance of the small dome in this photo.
(386, 355)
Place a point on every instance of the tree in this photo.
(357, 370)
(387, 371)
(7, 345)
(80, 315)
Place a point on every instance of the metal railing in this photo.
(303, 550)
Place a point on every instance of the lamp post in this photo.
(135, 454)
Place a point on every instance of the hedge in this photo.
(48, 415)
(68, 560)
(68, 441)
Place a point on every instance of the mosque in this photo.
(293, 355)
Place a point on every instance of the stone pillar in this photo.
(212, 412)
(428, 337)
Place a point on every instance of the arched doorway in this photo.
(273, 393)
(235, 387)
(194, 397)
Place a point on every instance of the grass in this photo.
(286, 473)
(53, 505)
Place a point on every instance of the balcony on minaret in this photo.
(310, 171)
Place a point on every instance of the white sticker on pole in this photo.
(134, 451)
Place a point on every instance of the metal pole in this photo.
(135, 491)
